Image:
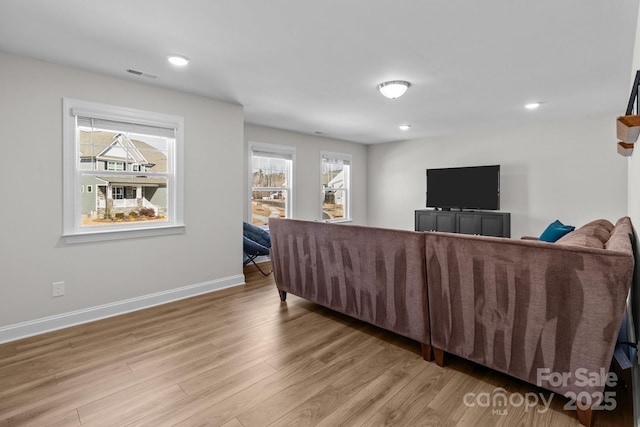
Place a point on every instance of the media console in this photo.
(484, 223)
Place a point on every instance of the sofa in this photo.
(372, 274)
(533, 310)
(530, 309)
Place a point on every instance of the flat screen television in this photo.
(475, 187)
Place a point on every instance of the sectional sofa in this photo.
(534, 310)
(375, 275)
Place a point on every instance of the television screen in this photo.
(476, 187)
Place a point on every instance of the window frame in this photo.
(284, 150)
(328, 155)
(72, 229)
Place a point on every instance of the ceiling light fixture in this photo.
(404, 127)
(532, 106)
(178, 60)
(393, 89)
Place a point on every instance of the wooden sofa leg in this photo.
(439, 356)
(283, 295)
(426, 351)
(584, 415)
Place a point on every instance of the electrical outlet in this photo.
(57, 289)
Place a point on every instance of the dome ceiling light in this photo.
(393, 89)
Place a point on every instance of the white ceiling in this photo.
(314, 66)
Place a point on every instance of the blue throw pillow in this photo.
(555, 230)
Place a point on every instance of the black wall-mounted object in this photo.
(633, 98)
(475, 187)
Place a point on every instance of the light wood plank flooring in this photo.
(240, 357)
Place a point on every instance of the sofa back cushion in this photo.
(601, 234)
(581, 239)
(620, 238)
(602, 223)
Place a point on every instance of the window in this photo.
(115, 166)
(271, 174)
(102, 144)
(117, 193)
(335, 171)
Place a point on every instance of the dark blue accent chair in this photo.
(255, 242)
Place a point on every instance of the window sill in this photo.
(106, 235)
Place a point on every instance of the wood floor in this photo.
(240, 357)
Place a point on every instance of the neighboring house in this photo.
(107, 195)
(337, 183)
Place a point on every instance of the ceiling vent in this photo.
(141, 74)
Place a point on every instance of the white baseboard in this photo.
(59, 321)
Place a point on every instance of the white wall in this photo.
(32, 253)
(567, 170)
(307, 200)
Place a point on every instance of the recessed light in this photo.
(404, 127)
(532, 106)
(178, 60)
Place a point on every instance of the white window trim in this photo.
(276, 149)
(72, 231)
(345, 157)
